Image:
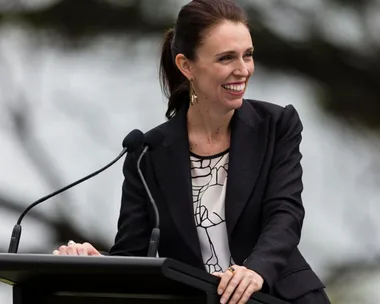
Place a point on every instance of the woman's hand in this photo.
(238, 282)
(72, 248)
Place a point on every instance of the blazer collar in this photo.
(249, 133)
(172, 164)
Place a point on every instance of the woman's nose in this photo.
(242, 68)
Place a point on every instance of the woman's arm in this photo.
(283, 212)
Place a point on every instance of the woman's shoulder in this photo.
(167, 132)
(285, 119)
(267, 108)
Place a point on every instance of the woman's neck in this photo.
(212, 126)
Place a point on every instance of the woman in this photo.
(227, 178)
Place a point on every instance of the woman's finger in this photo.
(247, 294)
(71, 242)
(72, 250)
(232, 284)
(224, 280)
(91, 249)
(82, 250)
(240, 290)
(63, 250)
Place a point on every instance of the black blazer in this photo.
(264, 211)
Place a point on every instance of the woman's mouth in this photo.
(235, 89)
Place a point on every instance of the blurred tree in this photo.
(61, 226)
(344, 281)
(347, 76)
(18, 111)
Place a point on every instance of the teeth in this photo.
(236, 88)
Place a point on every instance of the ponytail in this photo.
(173, 83)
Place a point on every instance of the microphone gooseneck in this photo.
(131, 143)
(152, 140)
(151, 199)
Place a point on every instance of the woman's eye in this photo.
(224, 58)
(231, 57)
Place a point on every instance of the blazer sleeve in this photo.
(283, 211)
(134, 227)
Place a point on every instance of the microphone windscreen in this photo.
(133, 140)
(154, 138)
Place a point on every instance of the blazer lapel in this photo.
(247, 149)
(172, 164)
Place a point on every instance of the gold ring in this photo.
(232, 269)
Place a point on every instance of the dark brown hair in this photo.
(193, 20)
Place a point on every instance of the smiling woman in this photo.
(227, 178)
(210, 67)
(222, 67)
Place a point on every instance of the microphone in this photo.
(131, 143)
(152, 140)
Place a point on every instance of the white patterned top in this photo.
(209, 182)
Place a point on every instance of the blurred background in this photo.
(77, 75)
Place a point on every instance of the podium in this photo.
(48, 279)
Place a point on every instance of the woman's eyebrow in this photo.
(232, 52)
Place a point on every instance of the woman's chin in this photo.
(234, 104)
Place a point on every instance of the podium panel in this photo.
(48, 279)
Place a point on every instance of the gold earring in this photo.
(193, 96)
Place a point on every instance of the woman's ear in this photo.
(184, 65)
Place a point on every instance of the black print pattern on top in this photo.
(209, 181)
